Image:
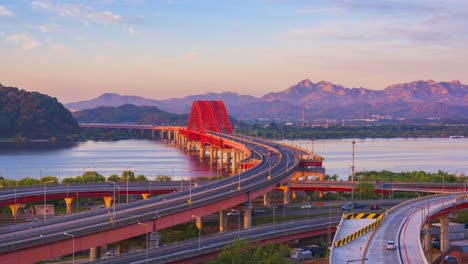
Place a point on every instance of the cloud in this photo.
(24, 41)
(105, 17)
(60, 49)
(86, 13)
(47, 28)
(5, 12)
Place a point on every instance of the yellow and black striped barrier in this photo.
(361, 216)
(363, 230)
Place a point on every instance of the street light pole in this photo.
(352, 176)
(73, 245)
(146, 246)
(199, 232)
(45, 199)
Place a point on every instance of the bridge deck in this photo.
(354, 250)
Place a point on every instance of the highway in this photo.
(216, 242)
(402, 224)
(34, 234)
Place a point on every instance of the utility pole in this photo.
(352, 175)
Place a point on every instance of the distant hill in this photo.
(129, 114)
(33, 115)
(419, 99)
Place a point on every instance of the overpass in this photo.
(265, 166)
(379, 187)
(408, 224)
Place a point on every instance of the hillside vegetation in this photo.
(33, 115)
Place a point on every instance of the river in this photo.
(153, 158)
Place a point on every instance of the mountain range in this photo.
(418, 99)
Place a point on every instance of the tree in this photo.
(366, 190)
(52, 179)
(128, 175)
(113, 178)
(28, 181)
(163, 178)
(92, 176)
(240, 252)
(141, 178)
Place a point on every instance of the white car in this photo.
(305, 206)
(391, 245)
(111, 253)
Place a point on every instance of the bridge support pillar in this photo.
(145, 195)
(108, 201)
(69, 201)
(427, 237)
(202, 152)
(444, 231)
(235, 158)
(266, 199)
(222, 221)
(286, 194)
(228, 159)
(247, 218)
(199, 222)
(220, 162)
(14, 209)
(154, 238)
(94, 253)
(122, 247)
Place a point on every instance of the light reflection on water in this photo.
(153, 158)
(150, 158)
(397, 154)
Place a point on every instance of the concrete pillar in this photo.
(444, 230)
(220, 163)
(222, 221)
(202, 152)
(122, 246)
(94, 253)
(199, 222)
(427, 237)
(247, 218)
(234, 161)
(108, 201)
(154, 238)
(14, 209)
(69, 201)
(266, 199)
(228, 159)
(211, 154)
(286, 194)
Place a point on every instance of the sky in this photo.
(78, 49)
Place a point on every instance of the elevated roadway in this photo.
(402, 224)
(199, 250)
(43, 240)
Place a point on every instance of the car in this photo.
(391, 245)
(352, 205)
(31, 219)
(375, 207)
(305, 206)
(111, 253)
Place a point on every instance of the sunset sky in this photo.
(79, 49)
